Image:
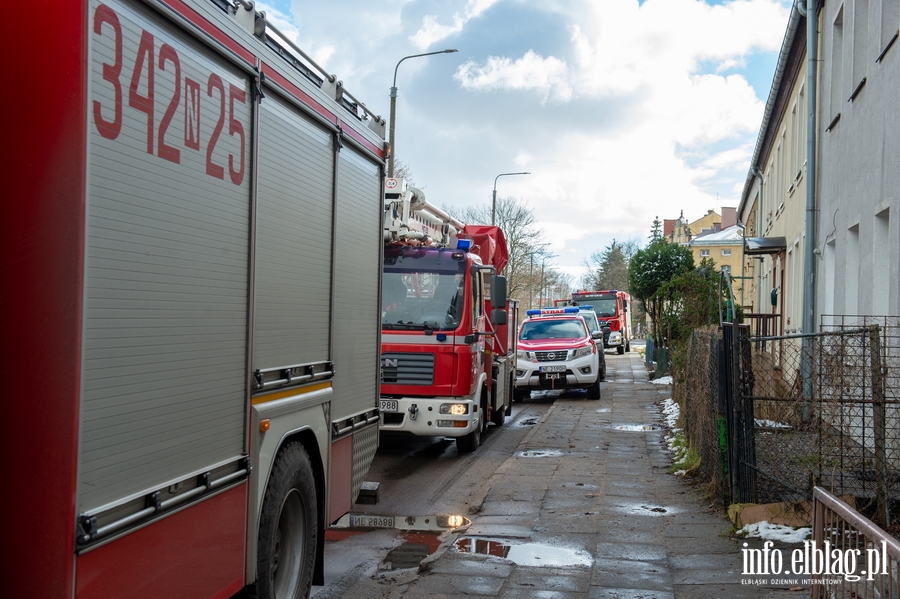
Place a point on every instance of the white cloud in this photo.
(549, 76)
(432, 32)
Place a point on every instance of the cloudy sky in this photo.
(621, 110)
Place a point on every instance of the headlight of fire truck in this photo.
(525, 355)
(456, 409)
(584, 351)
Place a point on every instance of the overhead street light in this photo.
(494, 204)
(394, 104)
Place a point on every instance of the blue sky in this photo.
(622, 110)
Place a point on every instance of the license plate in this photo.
(372, 521)
(553, 368)
(389, 405)
(553, 375)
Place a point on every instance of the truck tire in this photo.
(288, 528)
(620, 350)
(593, 392)
(498, 417)
(511, 389)
(470, 442)
(628, 346)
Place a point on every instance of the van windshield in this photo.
(533, 330)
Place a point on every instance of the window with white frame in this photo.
(726, 268)
(726, 252)
(704, 253)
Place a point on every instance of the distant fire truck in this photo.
(613, 309)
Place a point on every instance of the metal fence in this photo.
(825, 411)
(699, 394)
(849, 557)
(773, 416)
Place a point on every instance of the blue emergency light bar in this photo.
(548, 311)
(464, 244)
(585, 307)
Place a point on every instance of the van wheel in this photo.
(288, 528)
(593, 392)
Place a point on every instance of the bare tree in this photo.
(402, 171)
(525, 242)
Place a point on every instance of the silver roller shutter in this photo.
(357, 268)
(293, 255)
(166, 261)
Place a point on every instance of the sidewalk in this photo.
(586, 509)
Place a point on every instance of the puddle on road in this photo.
(636, 427)
(527, 422)
(540, 453)
(647, 510)
(524, 554)
(366, 522)
(421, 535)
(601, 410)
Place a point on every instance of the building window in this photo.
(704, 253)
(726, 269)
(726, 252)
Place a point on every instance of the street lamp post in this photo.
(494, 203)
(394, 103)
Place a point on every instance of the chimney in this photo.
(729, 217)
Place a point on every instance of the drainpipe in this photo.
(759, 210)
(808, 9)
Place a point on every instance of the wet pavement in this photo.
(585, 507)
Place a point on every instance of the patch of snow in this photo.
(770, 424)
(663, 380)
(671, 410)
(775, 532)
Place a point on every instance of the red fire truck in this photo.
(613, 309)
(191, 204)
(448, 337)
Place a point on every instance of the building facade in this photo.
(773, 203)
(858, 246)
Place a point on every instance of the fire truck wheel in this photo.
(498, 417)
(620, 350)
(628, 346)
(510, 392)
(288, 528)
(593, 392)
(470, 442)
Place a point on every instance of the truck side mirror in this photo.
(498, 291)
(498, 315)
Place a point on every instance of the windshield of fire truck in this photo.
(604, 307)
(423, 289)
